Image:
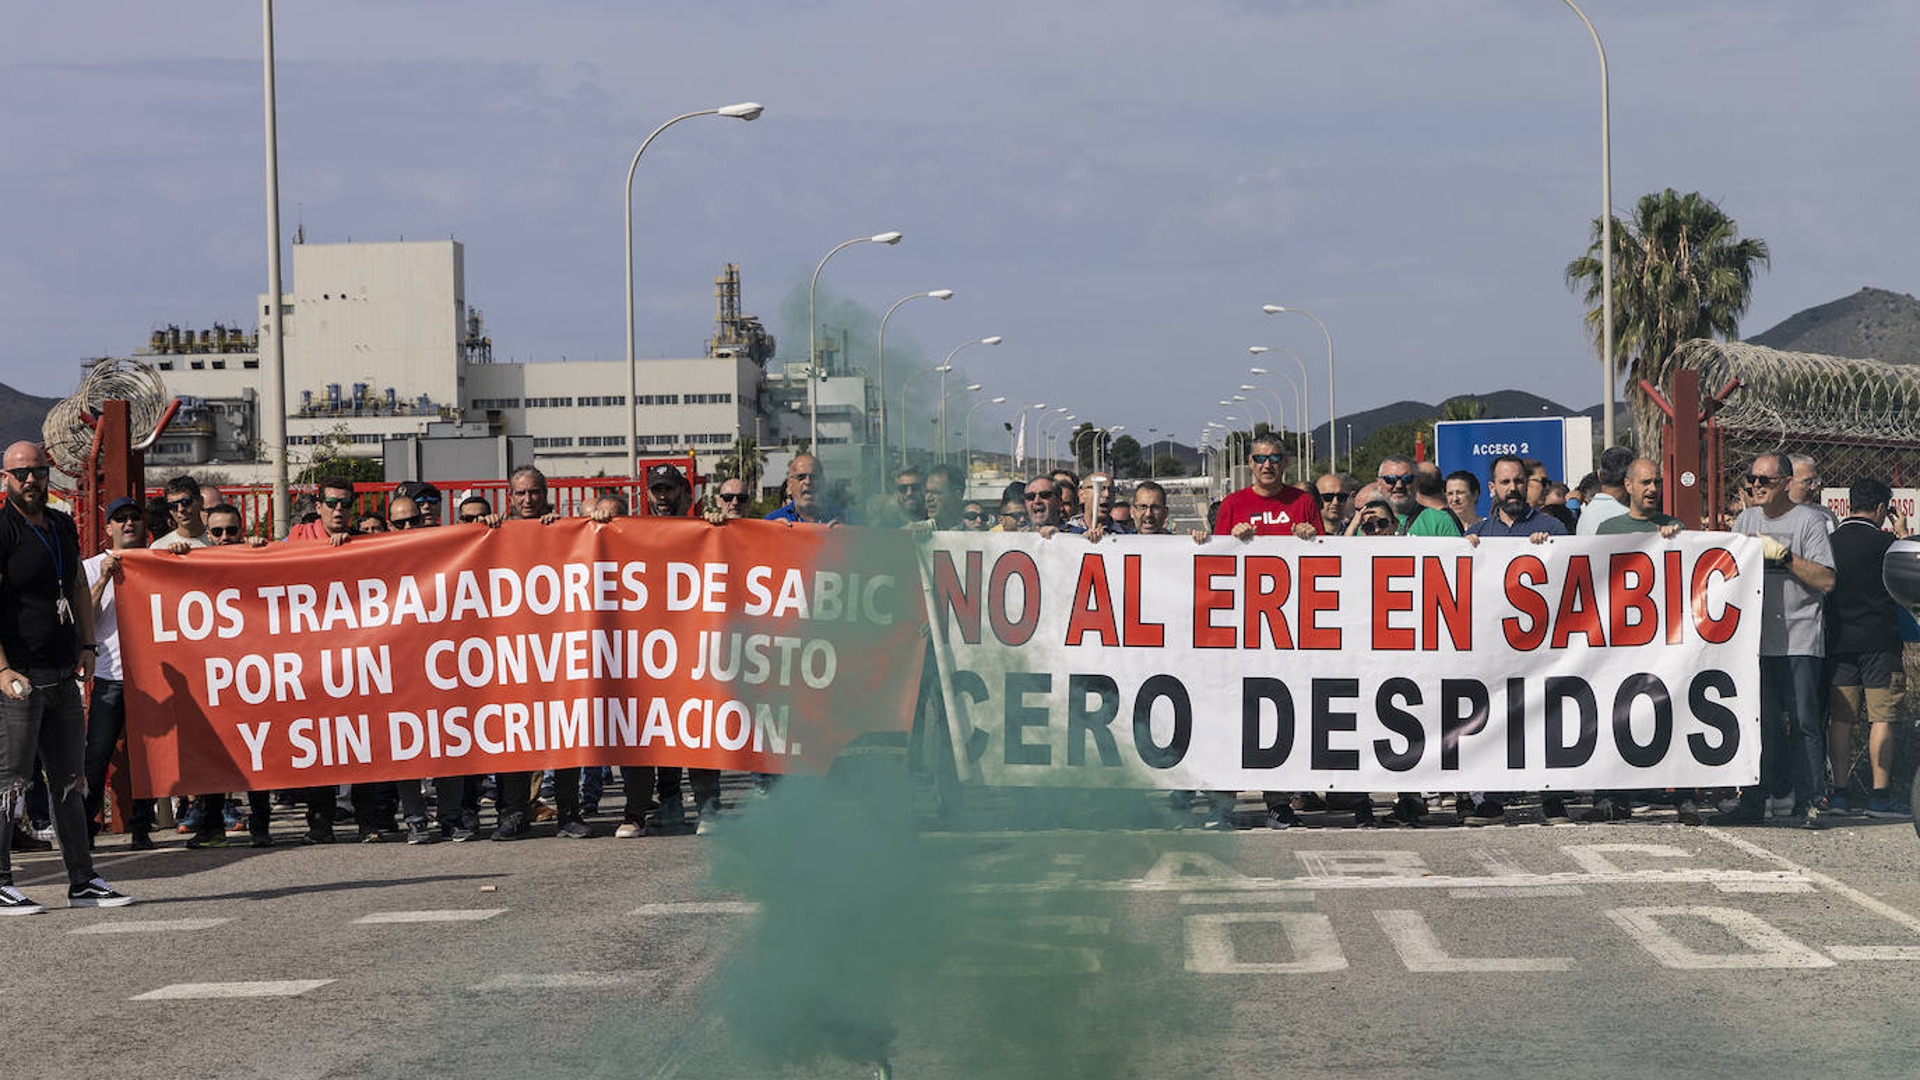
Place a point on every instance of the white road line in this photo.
(1878, 907)
(1294, 897)
(194, 991)
(699, 907)
(1420, 950)
(1764, 886)
(431, 915)
(1767, 947)
(1210, 949)
(1874, 952)
(567, 980)
(150, 926)
(1498, 861)
(1515, 892)
(1699, 876)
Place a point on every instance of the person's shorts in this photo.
(1871, 681)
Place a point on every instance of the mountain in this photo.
(21, 415)
(1871, 324)
(1500, 405)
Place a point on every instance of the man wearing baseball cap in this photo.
(107, 711)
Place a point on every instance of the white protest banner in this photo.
(1389, 664)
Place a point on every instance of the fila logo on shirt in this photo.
(1272, 517)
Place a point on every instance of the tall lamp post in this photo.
(1333, 457)
(813, 334)
(968, 422)
(1606, 237)
(904, 390)
(746, 110)
(946, 366)
(1304, 387)
(880, 364)
(970, 388)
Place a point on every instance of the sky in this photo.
(1115, 188)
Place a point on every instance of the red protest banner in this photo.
(754, 646)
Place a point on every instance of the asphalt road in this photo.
(1640, 948)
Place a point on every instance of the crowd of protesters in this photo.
(1831, 649)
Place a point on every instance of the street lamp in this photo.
(946, 367)
(746, 110)
(881, 364)
(942, 370)
(1606, 238)
(1332, 458)
(1305, 386)
(968, 422)
(813, 335)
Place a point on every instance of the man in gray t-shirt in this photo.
(1799, 574)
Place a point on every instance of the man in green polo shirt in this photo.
(1643, 504)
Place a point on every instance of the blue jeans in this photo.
(1793, 742)
(51, 722)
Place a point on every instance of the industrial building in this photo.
(380, 343)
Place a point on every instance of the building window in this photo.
(496, 403)
(549, 403)
(615, 399)
(554, 443)
(657, 399)
(709, 399)
(603, 440)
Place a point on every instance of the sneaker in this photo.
(1886, 808)
(261, 839)
(1408, 810)
(1688, 813)
(1605, 809)
(589, 809)
(1553, 810)
(369, 836)
(627, 831)
(1281, 817)
(1308, 801)
(460, 834)
(1485, 813)
(317, 836)
(574, 830)
(43, 832)
(15, 902)
(1780, 807)
(1754, 813)
(1363, 817)
(512, 827)
(1836, 804)
(418, 833)
(544, 812)
(26, 841)
(206, 840)
(1220, 819)
(96, 893)
(141, 841)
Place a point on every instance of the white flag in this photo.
(1020, 446)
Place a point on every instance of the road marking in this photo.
(1420, 950)
(1764, 886)
(566, 980)
(1188, 869)
(1878, 907)
(1242, 883)
(1498, 861)
(196, 991)
(150, 926)
(432, 915)
(1514, 892)
(1593, 857)
(699, 907)
(1210, 949)
(1875, 952)
(1363, 863)
(1296, 897)
(1767, 946)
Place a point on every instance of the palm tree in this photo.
(746, 460)
(1680, 270)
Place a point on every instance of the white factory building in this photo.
(380, 343)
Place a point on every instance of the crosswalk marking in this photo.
(150, 926)
(432, 915)
(1420, 950)
(196, 991)
(699, 907)
(561, 980)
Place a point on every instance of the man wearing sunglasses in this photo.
(908, 502)
(1335, 492)
(186, 512)
(1269, 506)
(1799, 575)
(730, 501)
(943, 494)
(404, 514)
(1045, 508)
(425, 498)
(1418, 498)
(806, 480)
(335, 507)
(47, 649)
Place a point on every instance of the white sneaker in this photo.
(627, 830)
(15, 902)
(1780, 807)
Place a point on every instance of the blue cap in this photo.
(120, 504)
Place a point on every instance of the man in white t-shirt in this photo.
(107, 708)
(188, 514)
